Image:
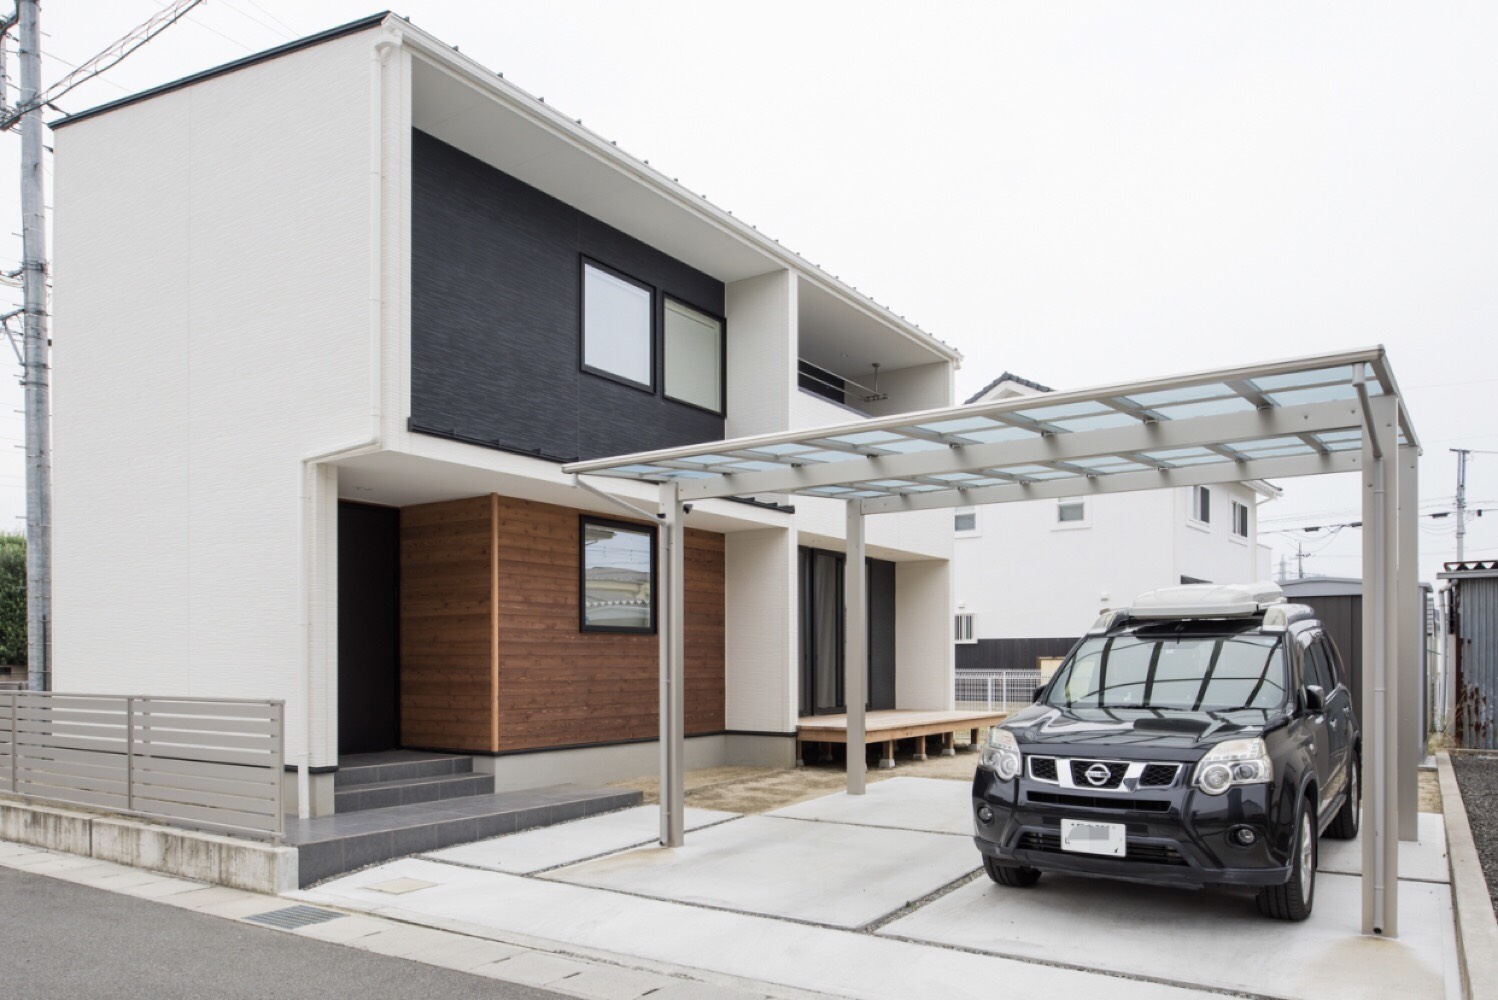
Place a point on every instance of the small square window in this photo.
(617, 338)
(618, 577)
(963, 626)
(1201, 504)
(694, 357)
(965, 520)
(1071, 513)
(1240, 519)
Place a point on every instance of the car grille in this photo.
(1079, 769)
(1155, 854)
(1159, 775)
(1043, 768)
(1099, 802)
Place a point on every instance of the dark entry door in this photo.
(368, 628)
(823, 620)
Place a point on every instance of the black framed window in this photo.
(1240, 519)
(618, 326)
(617, 576)
(694, 351)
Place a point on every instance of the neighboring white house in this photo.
(1031, 577)
(330, 318)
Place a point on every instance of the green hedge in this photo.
(13, 599)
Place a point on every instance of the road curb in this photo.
(1476, 925)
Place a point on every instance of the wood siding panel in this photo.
(447, 625)
(560, 686)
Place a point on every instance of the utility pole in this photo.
(1461, 501)
(36, 368)
(1300, 561)
(1284, 573)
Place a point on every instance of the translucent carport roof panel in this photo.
(1282, 418)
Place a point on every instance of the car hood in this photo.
(1134, 732)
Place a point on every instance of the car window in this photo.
(1336, 671)
(1188, 673)
(1317, 671)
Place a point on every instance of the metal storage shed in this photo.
(1307, 416)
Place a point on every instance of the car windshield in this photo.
(1182, 673)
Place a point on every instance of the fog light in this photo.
(1244, 836)
(985, 814)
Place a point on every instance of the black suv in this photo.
(1204, 737)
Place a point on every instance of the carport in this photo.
(1307, 416)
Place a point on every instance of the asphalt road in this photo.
(66, 941)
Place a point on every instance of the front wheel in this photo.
(1345, 824)
(1292, 901)
(1014, 876)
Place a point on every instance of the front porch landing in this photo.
(885, 727)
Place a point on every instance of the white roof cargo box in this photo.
(1207, 600)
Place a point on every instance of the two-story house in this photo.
(328, 320)
(1029, 578)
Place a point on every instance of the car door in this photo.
(1316, 724)
(1341, 718)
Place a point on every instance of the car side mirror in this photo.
(1037, 694)
(1315, 699)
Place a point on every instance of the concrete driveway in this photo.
(882, 896)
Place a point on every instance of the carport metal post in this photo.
(670, 633)
(1410, 611)
(1381, 728)
(855, 644)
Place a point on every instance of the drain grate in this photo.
(294, 917)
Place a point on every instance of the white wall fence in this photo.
(206, 763)
(996, 690)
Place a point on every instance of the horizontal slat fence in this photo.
(207, 763)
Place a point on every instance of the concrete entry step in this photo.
(332, 845)
(409, 791)
(397, 765)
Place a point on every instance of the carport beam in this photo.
(855, 644)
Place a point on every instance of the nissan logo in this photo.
(1098, 774)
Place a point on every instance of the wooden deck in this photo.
(888, 726)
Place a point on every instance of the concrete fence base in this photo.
(240, 864)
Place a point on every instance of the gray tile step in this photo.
(397, 765)
(331, 845)
(408, 791)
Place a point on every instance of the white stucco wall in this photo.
(1211, 551)
(212, 318)
(761, 319)
(923, 635)
(761, 631)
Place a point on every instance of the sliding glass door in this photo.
(822, 626)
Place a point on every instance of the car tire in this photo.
(1014, 876)
(1293, 900)
(1345, 825)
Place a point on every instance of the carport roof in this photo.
(1304, 416)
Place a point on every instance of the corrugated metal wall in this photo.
(1476, 667)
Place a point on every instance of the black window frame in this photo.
(1239, 505)
(585, 262)
(722, 411)
(650, 530)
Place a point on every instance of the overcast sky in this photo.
(1080, 193)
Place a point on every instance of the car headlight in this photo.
(1234, 762)
(1001, 754)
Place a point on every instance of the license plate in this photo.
(1092, 838)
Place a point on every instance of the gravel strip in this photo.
(1477, 776)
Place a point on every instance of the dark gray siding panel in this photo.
(495, 301)
(1009, 654)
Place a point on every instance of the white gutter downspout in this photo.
(374, 440)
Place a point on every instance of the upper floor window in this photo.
(617, 326)
(694, 357)
(618, 576)
(964, 520)
(1240, 519)
(962, 626)
(1071, 512)
(1201, 504)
